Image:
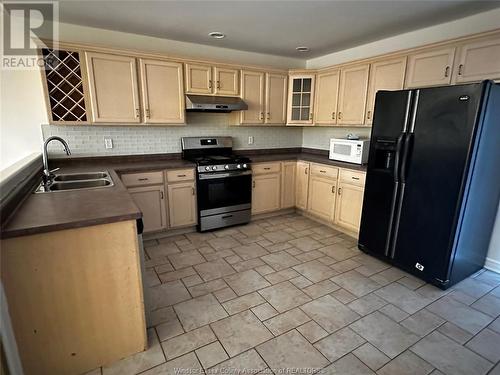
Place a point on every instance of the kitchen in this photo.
(206, 210)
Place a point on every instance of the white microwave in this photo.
(350, 151)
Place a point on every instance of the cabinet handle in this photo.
(181, 175)
(143, 179)
(333, 115)
(261, 117)
(161, 194)
(369, 115)
(340, 115)
(148, 113)
(218, 84)
(355, 178)
(460, 67)
(137, 113)
(193, 190)
(267, 168)
(322, 171)
(253, 184)
(269, 115)
(333, 189)
(209, 83)
(340, 191)
(310, 116)
(447, 71)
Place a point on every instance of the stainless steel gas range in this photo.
(223, 182)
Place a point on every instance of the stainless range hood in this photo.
(207, 103)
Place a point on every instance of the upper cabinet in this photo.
(300, 99)
(276, 86)
(325, 104)
(352, 94)
(430, 68)
(114, 94)
(162, 92)
(478, 60)
(384, 75)
(211, 80)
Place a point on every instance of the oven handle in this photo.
(212, 176)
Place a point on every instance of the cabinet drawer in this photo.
(352, 177)
(145, 178)
(180, 175)
(262, 168)
(325, 171)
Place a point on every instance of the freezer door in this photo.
(382, 179)
(432, 178)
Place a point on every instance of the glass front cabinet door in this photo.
(300, 100)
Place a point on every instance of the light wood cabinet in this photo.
(322, 194)
(352, 94)
(114, 94)
(300, 100)
(384, 75)
(276, 86)
(151, 202)
(326, 99)
(182, 204)
(302, 185)
(266, 191)
(430, 68)
(198, 79)
(478, 60)
(349, 205)
(252, 92)
(162, 92)
(226, 81)
(288, 171)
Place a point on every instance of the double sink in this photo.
(76, 181)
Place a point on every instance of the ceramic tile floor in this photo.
(287, 294)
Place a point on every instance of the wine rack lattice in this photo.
(65, 86)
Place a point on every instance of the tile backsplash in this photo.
(129, 140)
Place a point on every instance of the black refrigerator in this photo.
(433, 180)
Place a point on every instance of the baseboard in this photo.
(492, 265)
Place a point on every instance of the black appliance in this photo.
(433, 180)
(223, 182)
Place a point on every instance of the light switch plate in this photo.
(250, 140)
(108, 143)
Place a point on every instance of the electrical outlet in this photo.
(250, 140)
(108, 143)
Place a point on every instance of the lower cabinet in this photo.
(288, 170)
(151, 201)
(322, 194)
(349, 206)
(266, 187)
(302, 185)
(182, 204)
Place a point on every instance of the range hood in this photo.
(207, 103)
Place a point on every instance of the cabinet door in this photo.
(288, 184)
(199, 79)
(352, 95)
(114, 95)
(276, 85)
(322, 194)
(226, 81)
(182, 204)
(300, 100)
(162, 92)
(266, 193)
(325, 105)
(252, 92)
(384, 75)
(478, 60)
(349, 206)
(302, 185)
(432, 68)
(151, 201)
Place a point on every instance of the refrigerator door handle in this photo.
(408, 143)
(397, 152)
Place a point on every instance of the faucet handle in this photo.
(54, 170)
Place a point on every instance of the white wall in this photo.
(477, 23)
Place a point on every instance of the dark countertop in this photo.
(41, 213)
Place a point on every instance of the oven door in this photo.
(224, 192)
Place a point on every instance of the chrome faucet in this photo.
(47, 173)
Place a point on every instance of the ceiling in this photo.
(270, 27)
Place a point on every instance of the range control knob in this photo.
(226, 166)
(238, 166)
(244, 166)
(214, 167)
(207, 168)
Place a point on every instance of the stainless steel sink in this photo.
(77, 181)
(80, 176)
